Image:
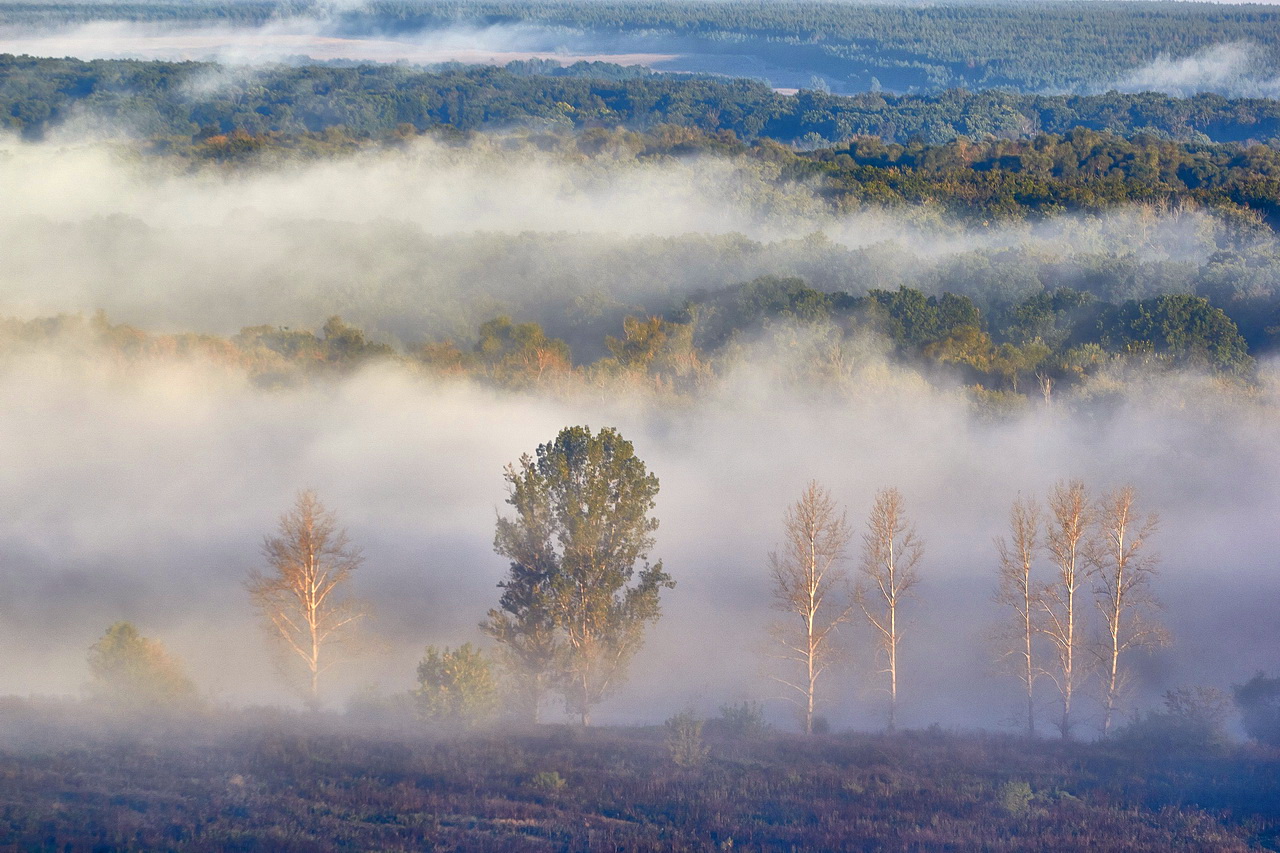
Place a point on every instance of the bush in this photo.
(1259, 702)
(547, 780)
(129, 670)
(1015, 797)
(684, 740)
(1194, 720)
(745, 720)
(456, 686)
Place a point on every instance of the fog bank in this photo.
(143, 494)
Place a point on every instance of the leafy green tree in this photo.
(574, 601)
(129, 670)
(1179, 327)
(346, 344)
(519, 353)
(658, 348)
(457, 686)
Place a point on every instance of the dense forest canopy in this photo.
(848, 47)
(371, 101)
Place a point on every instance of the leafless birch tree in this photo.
(1122, 573)
(302, 592)
(806, 577)
(890, 553)
(1021, 594)
(1067, 539)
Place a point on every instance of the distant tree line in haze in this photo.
(1031, 47)
(197, 99)
(1050, 343)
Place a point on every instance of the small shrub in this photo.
(745, 720)
(130, 671)
(1194, 720)
(1259, 703)
(456, 686)
(1015, 797)
(684, 740)
(547, 780)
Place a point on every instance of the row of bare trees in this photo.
(1091, 551)
(811, 585)
(1096, 551)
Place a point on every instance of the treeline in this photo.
(1050, 342)
(1032, 47)
(1051, 45)
(972, 181)
(198, 100)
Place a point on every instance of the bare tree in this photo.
(805, 574)
(890, 553)
(302, 593)
(1018, 592)
(1122, 572)
(1070, 519)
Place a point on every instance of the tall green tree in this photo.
(580, 590)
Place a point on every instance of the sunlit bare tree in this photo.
(1067, 538)
(302, 593)
(1020, 593)
(891, 552)
(1122, 573)
(807, 579)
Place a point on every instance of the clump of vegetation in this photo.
(456, 687)
(744, 720)
(1194, 719)
(245, 780)
(1016, 797)
(684, 740)
(130, 671)
(547, 780)
(1259, 703)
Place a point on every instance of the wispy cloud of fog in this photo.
(312, 39)
(143, 492)
(1235, 69)
(433, 239)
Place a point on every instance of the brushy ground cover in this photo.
(267, 780)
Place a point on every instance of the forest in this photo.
(847, 47)
(669, 426)
(198, 100)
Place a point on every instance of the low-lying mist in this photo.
(294, 39)
(1235, 69)
(142, 492)
(431, 240)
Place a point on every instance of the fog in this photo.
(431, 240)
(313, 39)
(1236, 70)
(143, 494)
(143, 491)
